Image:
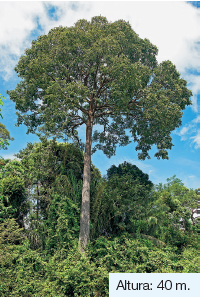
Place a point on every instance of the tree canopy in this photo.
(107, 62)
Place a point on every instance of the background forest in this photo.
(135, 226)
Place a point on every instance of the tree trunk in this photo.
(85, 208)
(37, 207)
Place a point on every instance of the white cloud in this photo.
(184, 130)
(191, 181)
(196, 140)
(197, 119)
(188, 130)
(191, 176)
(194, 86)
(17, 20)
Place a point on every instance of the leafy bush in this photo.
(125, 254)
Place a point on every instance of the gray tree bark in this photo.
(85, 208)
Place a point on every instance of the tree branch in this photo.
(77, 124)
(133, 101)
(104, 113)
(104, 123)
(105, 81)
(83, 110)
(85, 79)
(95, 76)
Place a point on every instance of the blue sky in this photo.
(173, 26)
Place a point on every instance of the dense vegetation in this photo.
(135, 226)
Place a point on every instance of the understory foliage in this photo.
(135, 226)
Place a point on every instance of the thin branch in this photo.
(95, 76)
(105, 122)
(133, 102)
(76, 117)
(104, 113)
(105, 81)
(99, 89)
(83, 110)
(104, 107)
(77, 124)
(75, 136)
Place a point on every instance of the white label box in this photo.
(154, 284)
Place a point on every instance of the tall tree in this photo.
(103, 73)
